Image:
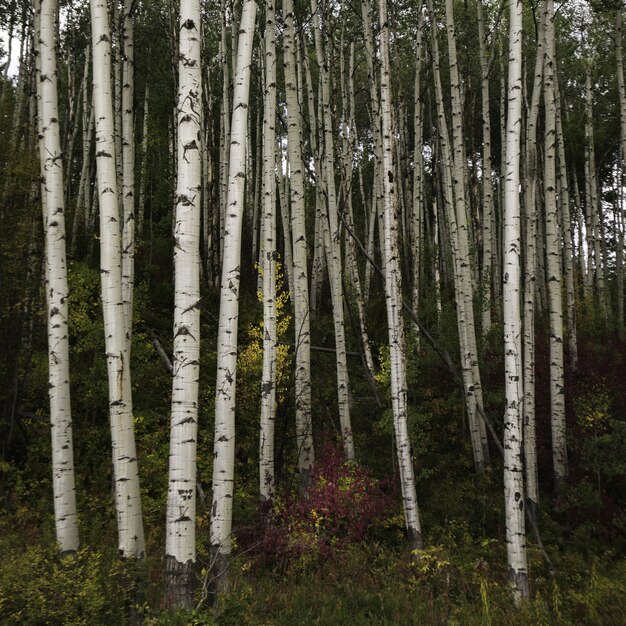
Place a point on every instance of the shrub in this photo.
(342, 502)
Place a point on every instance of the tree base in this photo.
(180, 579)
(220, 579)
(519, 583)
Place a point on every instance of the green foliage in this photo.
(42, 588)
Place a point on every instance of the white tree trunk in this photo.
(530, 274)
(513, 463)
(464, 288)
(125, 467)
(128, 172)
(180, 549)
(553, 266)
(225, 387)
(268, 381)
(300, 287)
(63, 484)
(393, 298)
(487, 235)
(334, 249)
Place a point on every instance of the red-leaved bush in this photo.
(343, 501)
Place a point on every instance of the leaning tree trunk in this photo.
(225, 387)
(393, 297)
(513, 464)
(63, 485)
(180, 549)
(125, 466)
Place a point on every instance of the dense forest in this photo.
(312, 312)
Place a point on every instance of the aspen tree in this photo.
(459, 269)
(125, 467)
(333, 251)
(530, 271)
(300, 287)
(568, 259)
(465, 289)
(128, 170)
(592, 203)
(225, 387)
(393, 298)
(180, 549)
(268, 382)
(553, 264)
(418, 173)
(487, 234)
(513, 464)
(57, 292)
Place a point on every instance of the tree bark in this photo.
(224, 440)
(180, 546)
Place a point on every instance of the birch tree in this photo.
(513, 465)
(333, 249)
(268, 382)
(393, 299)
(225, 387)
(300, 287)
(553, 263)
(180, 546)
(125, 466)
(57, 292)
(128, 171)
(530, 271)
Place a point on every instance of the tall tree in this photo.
(300, 288)
(125, 466)
(553, 262)
(225, 387)
(393, 298)
(513, 465)
(333, 244)
(57, 292)
(180, 547)
(268, 382)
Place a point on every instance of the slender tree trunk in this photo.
(334, 249)
(268, 381)
(180, 549)
(460, 264)
(393, 297)
(594, 222)
(530, 273)
(128, 172)
(300, 287)
(224, 440)
(487, 261)
(568, 258)
(465, 285)
(125, 467)
(553, 266)
(513, 464)
(63, 484)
